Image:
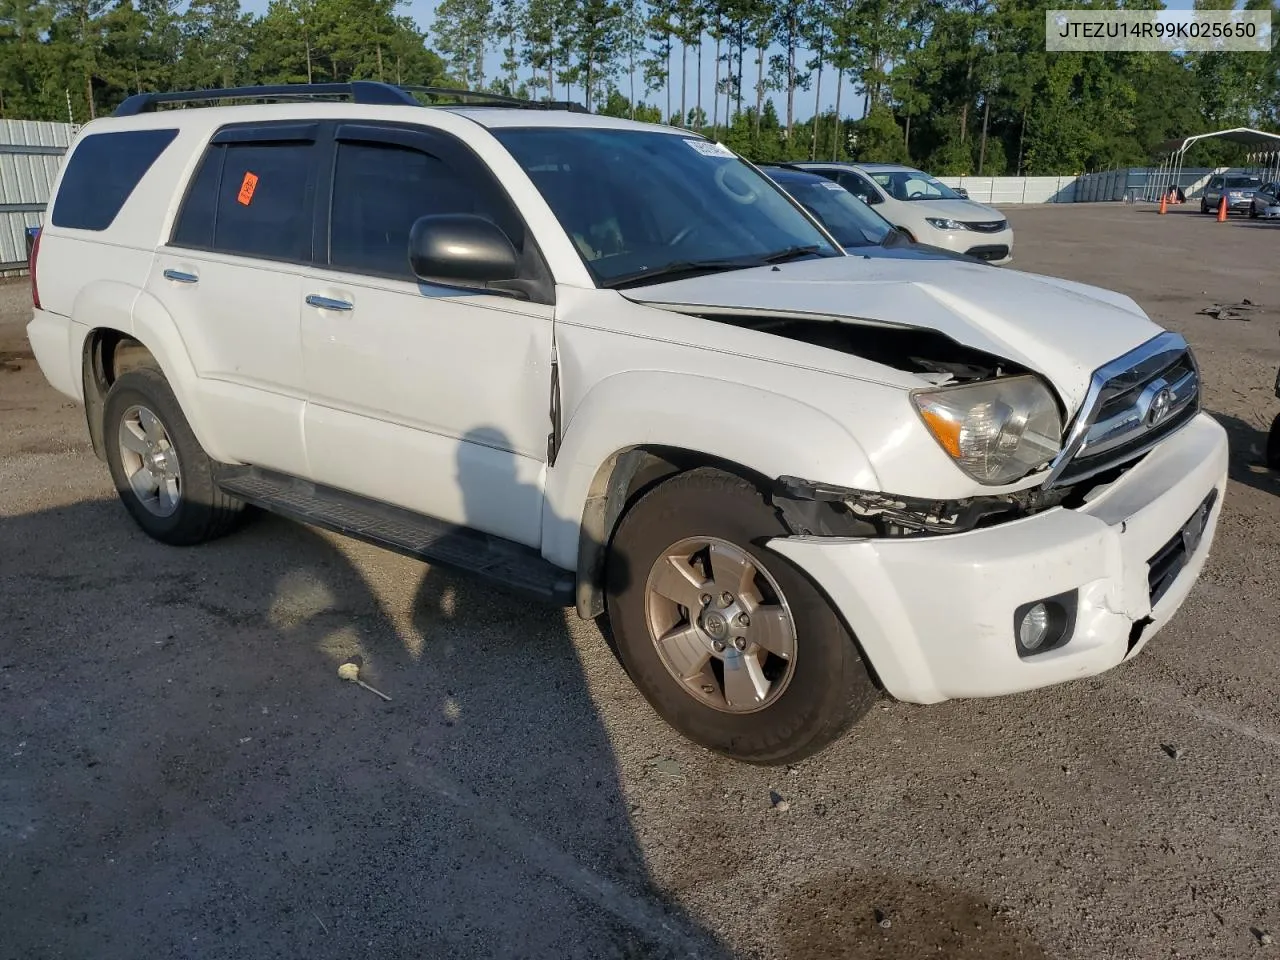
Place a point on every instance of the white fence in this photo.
(1002, 190)
(29, 156)
(1121, 184)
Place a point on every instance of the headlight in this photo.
(942, 223)
(996, 431)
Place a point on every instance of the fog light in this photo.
(1042, 625)
(1034, 626)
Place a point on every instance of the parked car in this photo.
(612, 365)
(1273, 438)
(1238, 188)
(854, 225)
(1265, 201)
(925, 207)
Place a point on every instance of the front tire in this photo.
(162, 474)
(731, 644)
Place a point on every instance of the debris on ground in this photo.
(1230, 311)
(1175, 753)
(775, 798)
(669, 768)
(351, 671)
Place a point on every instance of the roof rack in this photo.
(359, 91)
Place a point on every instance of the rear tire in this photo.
(163, 475)
(1204, 207)
(1273, 444)
(754, 704)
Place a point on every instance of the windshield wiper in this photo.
(790, 253)
(681, 269)
(684, 269)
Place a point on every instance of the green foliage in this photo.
(955, 86)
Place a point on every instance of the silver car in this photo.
(1266, 201)
(1238, 188)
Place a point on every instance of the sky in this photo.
(423, 11)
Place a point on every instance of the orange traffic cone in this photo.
(1222, 210)
(1164, 204)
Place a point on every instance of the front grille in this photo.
(990, 252)
(1133, 403)
(986, 226)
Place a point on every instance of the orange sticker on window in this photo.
(247, 186)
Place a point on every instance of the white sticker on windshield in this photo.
(709, 149)
(832, 186)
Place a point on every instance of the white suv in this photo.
(925, 208)
(613, 365)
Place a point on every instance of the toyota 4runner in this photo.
(613, 365)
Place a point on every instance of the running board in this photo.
(519, 568)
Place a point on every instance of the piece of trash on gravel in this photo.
(1175, 753)
(669, 768)
(350, 671)
(775, 799)
(1230, 311)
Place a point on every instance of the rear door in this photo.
(231, 274)
(428, 397)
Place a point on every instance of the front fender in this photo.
(766, 432)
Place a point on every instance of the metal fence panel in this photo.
(30, 152)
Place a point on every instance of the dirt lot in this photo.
(184, 775)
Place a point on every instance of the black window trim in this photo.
(258, 131)
(536, 280)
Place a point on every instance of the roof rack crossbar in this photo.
(483, 98)
(360, 91)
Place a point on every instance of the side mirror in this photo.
(461, 250)
(962, 191)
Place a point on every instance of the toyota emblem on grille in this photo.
(1161, 404)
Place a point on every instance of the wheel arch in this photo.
(144, 335)
(596, 477)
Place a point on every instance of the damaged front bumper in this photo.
(935, 615)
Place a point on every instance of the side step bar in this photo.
(515, 566)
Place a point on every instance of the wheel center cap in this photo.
(715, 624)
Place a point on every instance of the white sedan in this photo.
(925, 207)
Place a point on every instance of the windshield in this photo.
(914, 185)
(638, 202)
(848, 219)
(1238, 182)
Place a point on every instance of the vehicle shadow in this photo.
(187, 776)
(1248, 445)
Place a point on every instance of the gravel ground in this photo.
(184, 775)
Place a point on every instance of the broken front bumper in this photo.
(935, 615)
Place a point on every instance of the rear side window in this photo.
(102, 173)
(379, 190)
(253, 199)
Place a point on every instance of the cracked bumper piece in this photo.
(935, 615)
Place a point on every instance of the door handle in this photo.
(181, 276)
(327, 303)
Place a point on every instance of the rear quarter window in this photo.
(102, 173)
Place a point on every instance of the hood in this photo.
(1062, 330)
(964, 210)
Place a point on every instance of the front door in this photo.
(427, 397)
